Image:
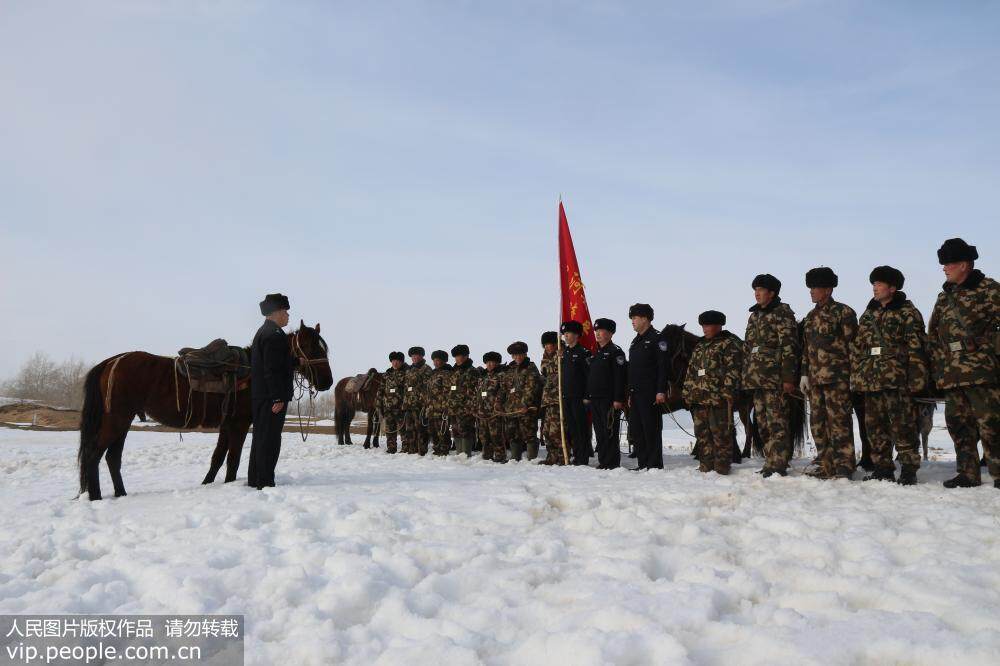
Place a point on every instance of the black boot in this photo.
(961, 482)
(996, 483)
(908, 475)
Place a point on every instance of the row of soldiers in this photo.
(887, 355)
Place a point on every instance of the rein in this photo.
(305, 383)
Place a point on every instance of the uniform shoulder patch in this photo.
(663, 345)
(620, 360)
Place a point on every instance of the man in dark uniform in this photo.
(574, 366)
(606, 383)
(271, 368)
(648, 377)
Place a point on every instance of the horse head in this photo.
(309, 343)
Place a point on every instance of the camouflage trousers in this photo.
(491, 435)
(522, 432)
(437, 428)
(771, 411)
(891, 419)
(973, 414)
(832, 423)
(391, 425)
(553, 438)
(463, 431)
(415, 434)
(713, 428)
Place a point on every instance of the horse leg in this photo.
(218, 455)
(237, 436)
(113, 430)
(744, 413)
(114, 460)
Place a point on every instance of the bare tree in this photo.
(42, 379)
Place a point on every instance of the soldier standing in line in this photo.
(414, 401)
(574, 366)
(390, 399)
(606, 385)
(550, 400)
(648, 378)
(889, 365)
(827, 333)
(438, 384)
(523, 390)
(770, 365)
(461, 400)
(710, 388)
(965, 343)
(490, 399)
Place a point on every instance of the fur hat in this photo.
(460, 350)
(550, 338)
(517, 348)
(416, 351)
(439, 354)
(605, 325)
(887, 274)
(712, 317)
(571, 327)
(273, 303)
(822, 277)
(767, 281)
(492, 356)
(956, 249)
(396, 356)
(641, 310)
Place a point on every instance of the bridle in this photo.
(305, 379)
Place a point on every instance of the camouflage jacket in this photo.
(771, 347)
(963, 333)
(438, 385)
(522, 386)
(713, 374)
(490, 394)
(462, 391)
(415, 393)
(890, 349)
(827, 332)
(550, 377)
(390, 394)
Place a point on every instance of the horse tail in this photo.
(798, 424)
(90, 419)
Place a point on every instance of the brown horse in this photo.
(122, 386)
(361, 398)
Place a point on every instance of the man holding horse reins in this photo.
(271, 374)
(415, 434)
(390, 399)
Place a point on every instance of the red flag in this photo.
(574, 301)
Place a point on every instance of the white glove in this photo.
(804, 384)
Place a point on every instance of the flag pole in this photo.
(559, 354)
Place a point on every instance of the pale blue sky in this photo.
(395, 166)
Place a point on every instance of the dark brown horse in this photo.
(122, 386)
(353, 395)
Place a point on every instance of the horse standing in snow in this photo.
(353, 395)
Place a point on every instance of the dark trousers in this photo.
(606, 432)
(265, 445)
(577, 430)
(646, 420)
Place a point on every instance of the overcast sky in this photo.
(395, 167)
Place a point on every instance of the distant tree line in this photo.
(40, 378)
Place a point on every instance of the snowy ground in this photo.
(361, 557)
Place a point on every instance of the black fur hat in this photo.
(273, 303)
(712, 317)
(492, 356)
(887, 274)
(571, 327)
(439, 354)
(605, 325)
(767, 281)
(550, 338)
(641, 310)
(822, 277)
(460, 350)
(418, 351)
(396, 356)
(517, 348)
(956, 249)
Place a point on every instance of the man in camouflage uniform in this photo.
(415, 433)
(710, 387)
(523, 390)
(770, 367)
(438, 385)
(889, 365)
(550, 400)
(965, 343)
(490, 399)
(390, 399)
(827, 333)
(461, 400)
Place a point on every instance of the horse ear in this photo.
(683, 326)
(302, 323)
(317, 327)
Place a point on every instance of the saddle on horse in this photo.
(357, 383)
(217, 367)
